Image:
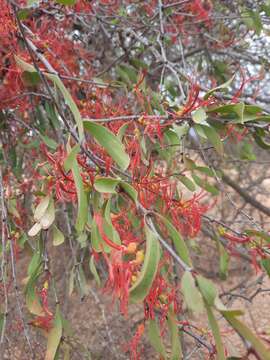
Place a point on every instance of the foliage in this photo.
(116, 121)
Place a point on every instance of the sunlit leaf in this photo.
(41, 208)
(48, 217)
(199, 116)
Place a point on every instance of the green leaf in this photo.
(93, 270)
(81, 196)
(71, 157)
(58, 82)
(49, 142)
(207, 289)
(31, 296)
(247, 334)
(239, 109)
(221, 87)
(30, 78)
(187, 182)
(54, 336)
(205, 185)
(58, 236)
(266, 265)
(213, 137)
(121, 131)
(106, 185)
(141, 287)
(246, 152)
(224, 260)
(191, 294)
(69, 101)
(23, 14)
(206, 170)
(129, 189)
(253, 21)
(66, 2)
(199, 116)
(259, 137)
(216, 333)
(97, 242)
(176, 351)
(178, 241)
(110, 142)
(24, 65)
(155, 338)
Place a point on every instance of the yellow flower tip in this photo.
(131, 248)
(139, 257)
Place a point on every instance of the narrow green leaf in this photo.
(207, 289)
(178, 241)
(110, 142)
(31, 296)
(224, 260)
(214, 138)
(49, 142)
(205, 170)
(70, 102)
(81, 196)
(191, 294)
(58, 82)
(30, 78)
(93, 270)
(176, 351)
(187, 182)
(129, 189)
(58, 236)
(121, 131)
(221, 87)
(54, 336)
(266, 265)
(141, 287)
(247, 334)
(106, 184)
(155, 338)
(205, 185)
(216, 333)
(69, 161)
(66, 2)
